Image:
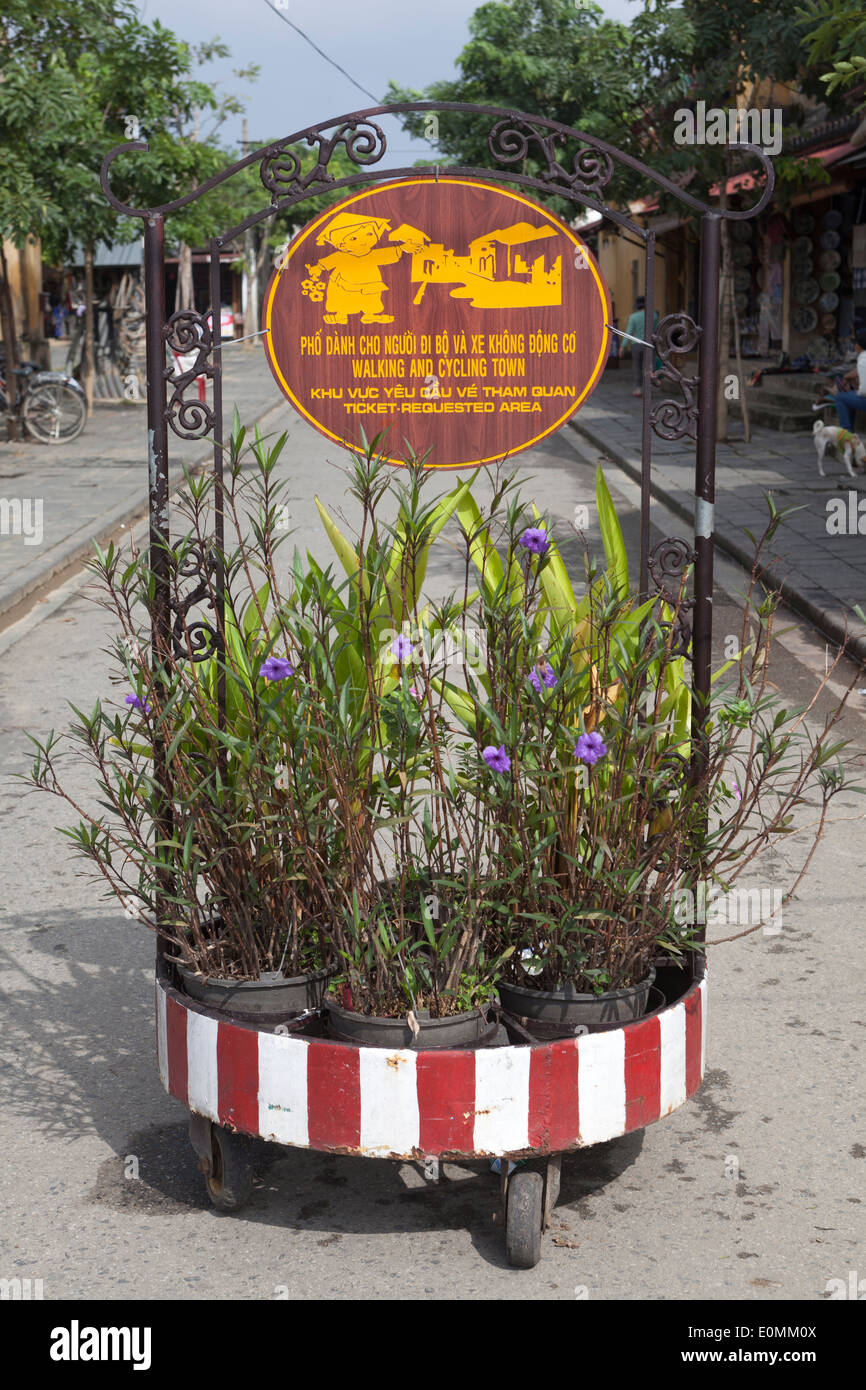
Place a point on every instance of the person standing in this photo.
(635, 329)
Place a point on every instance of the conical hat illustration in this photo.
(344, 222)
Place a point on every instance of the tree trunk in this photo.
(184, 297)
(251, 288)
(88, 359)
(10, 343)
(31, 295)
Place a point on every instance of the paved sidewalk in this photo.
(88, 489)
(821, 574)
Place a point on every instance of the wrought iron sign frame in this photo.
(583, 181)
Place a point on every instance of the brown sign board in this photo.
(463, 320)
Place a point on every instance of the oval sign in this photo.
(462, 320)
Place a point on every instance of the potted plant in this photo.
(329, 792)
(219, 843)
(599, 826)
(416, 970)
(268, 770)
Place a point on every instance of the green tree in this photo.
(626, 84)
(546, 57)
(723, 54)
(835, 35)
(78, 77)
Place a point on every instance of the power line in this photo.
(321, 54)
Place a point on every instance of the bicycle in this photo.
(51, 405)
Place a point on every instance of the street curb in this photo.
(827, 620)
(78, 549)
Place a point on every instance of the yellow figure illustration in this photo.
(355, 284)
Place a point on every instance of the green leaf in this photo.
(611, 537)
(346, 552)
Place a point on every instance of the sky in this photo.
(415, 42)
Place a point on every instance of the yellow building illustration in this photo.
(493, 275)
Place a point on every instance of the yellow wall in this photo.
(622, 263)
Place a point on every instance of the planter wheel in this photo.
(229, 1179)
(524, 1218)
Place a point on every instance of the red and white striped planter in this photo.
(341, 1098)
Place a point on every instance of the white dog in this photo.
(847, 445)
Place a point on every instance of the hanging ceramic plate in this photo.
(803, 222)
(829, 260)
(802, 245)
(828, 325)
(801, 267)
(743, 281)
(804, 320)
(742, 231)
(742, 255)
(830, 280)
(806, 291)
(831, 220)
(828, 302)
(830, 240)
(818, 348)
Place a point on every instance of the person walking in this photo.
(635, 329)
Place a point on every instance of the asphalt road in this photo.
(752, 1191)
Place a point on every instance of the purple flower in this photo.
(589, 748)
(534, 539)
(497, 758)
(401, 647)
(542, 673)
(737, 793)
(276, 668)
(137, 703)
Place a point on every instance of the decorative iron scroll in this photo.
(667, 564)
(591, 170)
(197, 640)
(187, 332)
(672, 419)
(280, 169)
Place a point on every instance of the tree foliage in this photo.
(77, 77)
(541, 56)
(835, 34)
(621, 83)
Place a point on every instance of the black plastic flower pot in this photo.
(272, 997)
(550, 1014)
(473, 1029)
